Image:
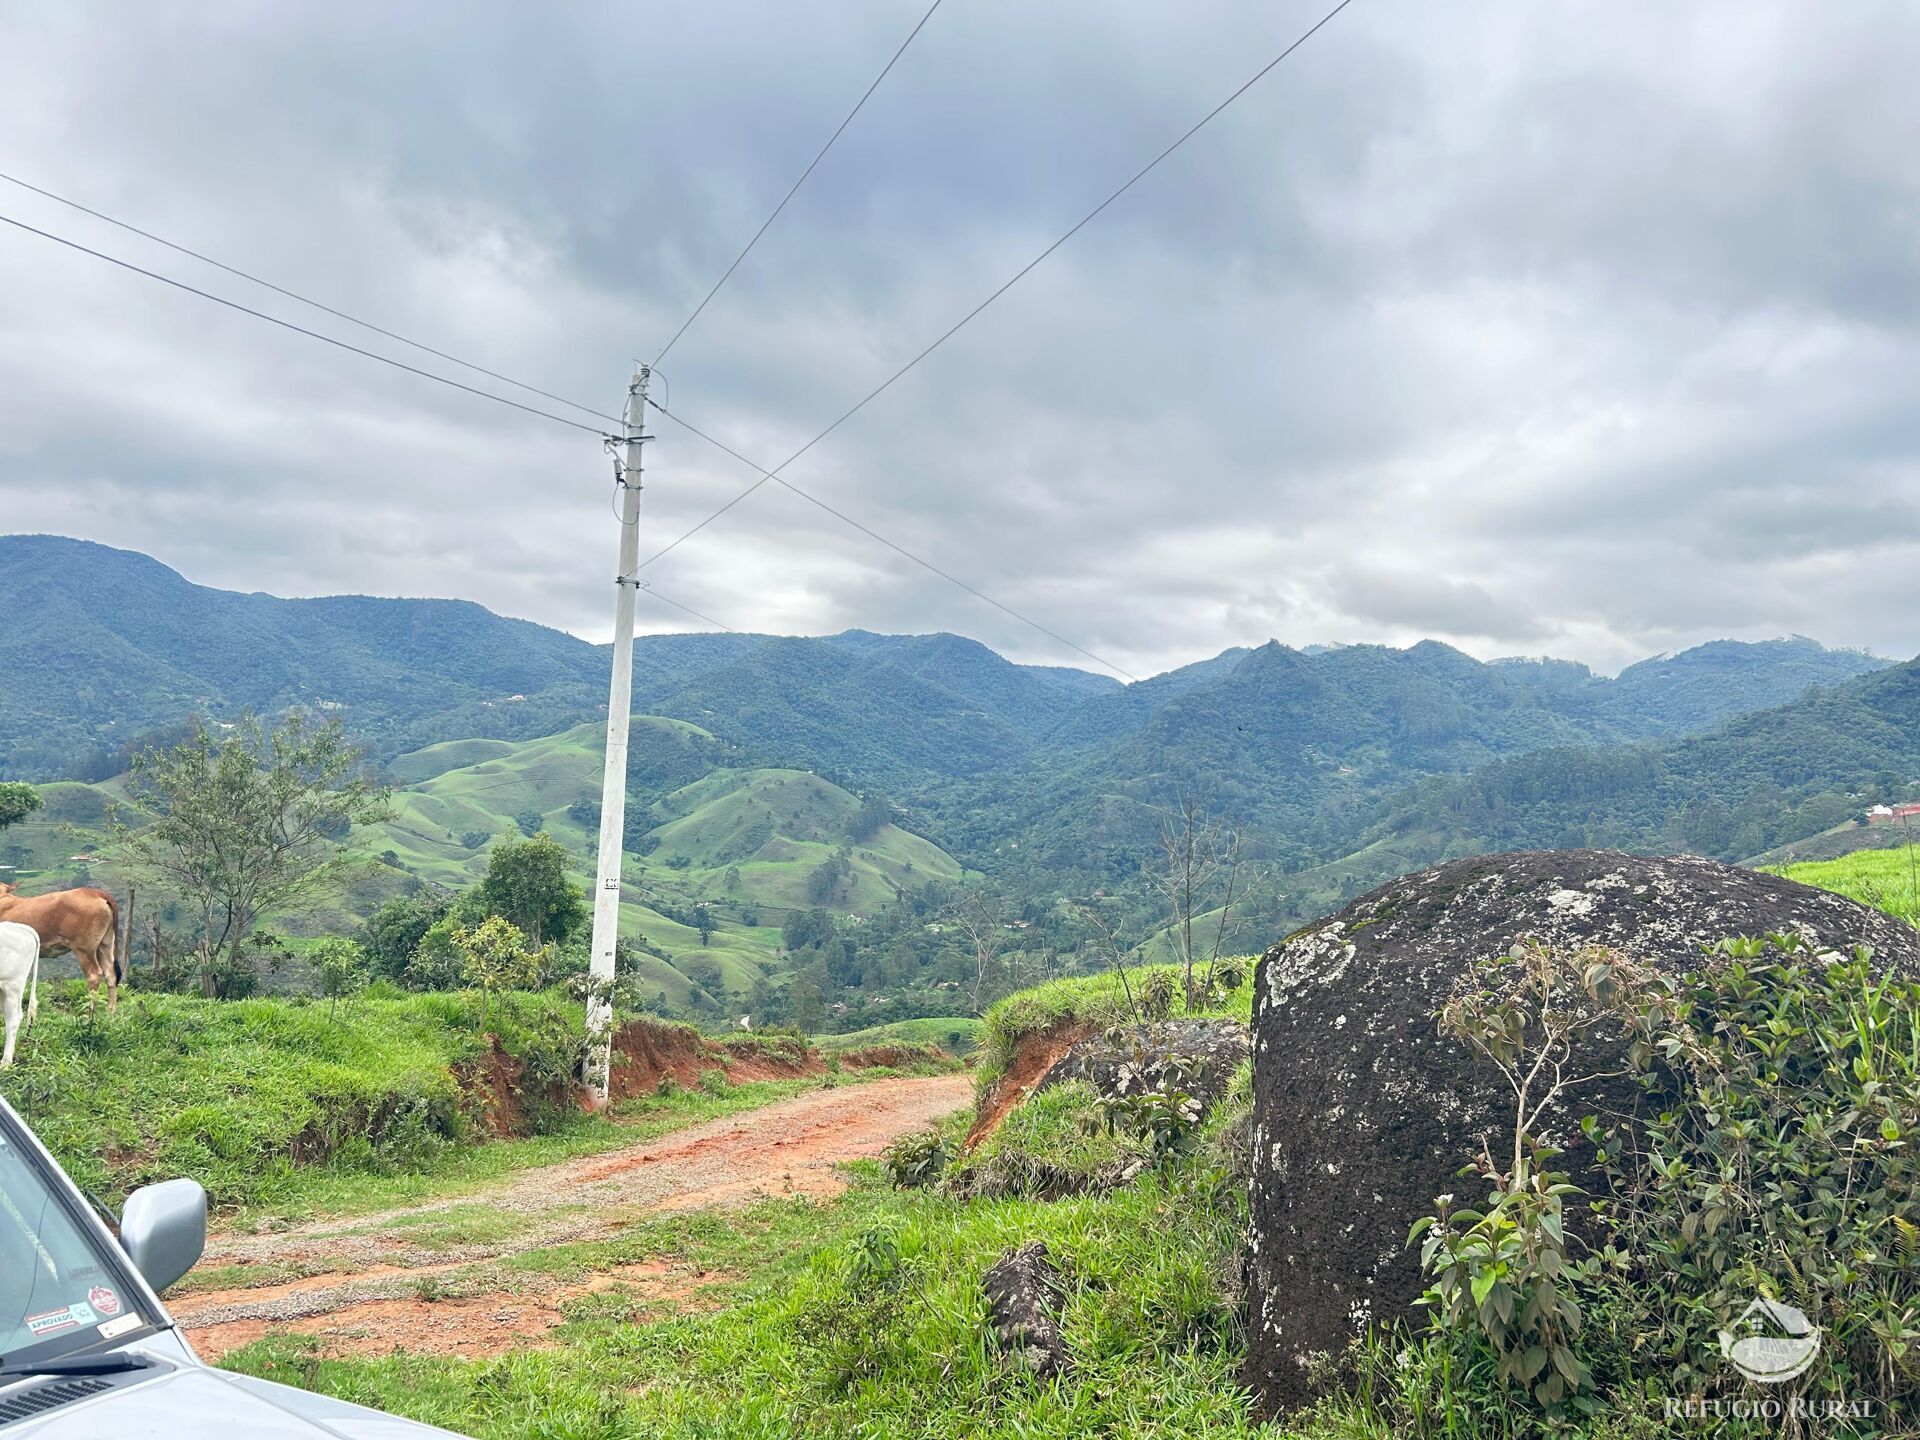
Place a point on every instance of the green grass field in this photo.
(1886, 879)
(955, 1034)
(746, 842)
(284, 1106)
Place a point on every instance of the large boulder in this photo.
(1364, 1112)
(1129, 1059)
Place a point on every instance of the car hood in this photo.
(193, 1401)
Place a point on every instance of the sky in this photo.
(1584, 329)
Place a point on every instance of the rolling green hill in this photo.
(745, 842)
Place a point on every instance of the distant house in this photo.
(1885, 814)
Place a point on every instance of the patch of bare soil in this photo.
(1032, 1058)
(369, 1293)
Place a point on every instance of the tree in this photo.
(495, 955)
(704, 974)
(531, 822)
(876, 813)
(527, 883)
(242, 824)
(703, 922)
(805, 1005)
(1200, 873)
(17, 801)
(342, 967)
(394, 931)
(978, 916)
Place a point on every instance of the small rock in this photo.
(1023, 1292)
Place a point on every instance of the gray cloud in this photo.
(1588, 329)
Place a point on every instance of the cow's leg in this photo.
(10, 1002)
(89, 967)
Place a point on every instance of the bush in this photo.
(1774, 1162)
(916, 1161)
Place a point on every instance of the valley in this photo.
(862, 778)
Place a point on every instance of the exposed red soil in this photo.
(493, 1081)
(475, 1327)
(645, 1053)
(1036, 1054)
(365, 1300)
(893, 1057)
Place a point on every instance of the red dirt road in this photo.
(406, 1279)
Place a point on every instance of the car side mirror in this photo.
(163, 1229)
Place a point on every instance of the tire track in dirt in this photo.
(367, 1290)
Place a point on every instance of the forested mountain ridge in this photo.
(1760, 780)
(1303, 749)
(1050, 775)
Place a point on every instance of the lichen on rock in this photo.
(1359, 1125)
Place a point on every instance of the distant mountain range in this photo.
(1049, 774)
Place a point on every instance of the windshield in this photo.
(58, 1292)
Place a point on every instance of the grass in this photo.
(955, 1034)
(862, 1317)
(1100, 1000)
(1886, 879)
(283, 1108)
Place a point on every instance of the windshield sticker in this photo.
(104, 1300)
(119, 1327)
(54, 1321)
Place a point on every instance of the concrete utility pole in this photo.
(613, 782)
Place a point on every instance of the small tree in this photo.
(978, 917)
(495, 955)
(527, 883)
(342, 968)
(1199, 872)
(394, 931)
(17, 801)
(531, 822)
(703, 922)
(243, 824)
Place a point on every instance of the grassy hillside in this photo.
(745, 842)
(955, 1034)
(1888, 879)
(241, 1095)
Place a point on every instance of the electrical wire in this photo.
(687, 324)
(873, 534)
(303, 299)
(646, 588)
(298, 329)
(880, 389)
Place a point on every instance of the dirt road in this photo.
(431, 1277)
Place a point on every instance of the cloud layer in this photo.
(1584, 329)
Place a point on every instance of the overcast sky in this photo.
(1590, 329)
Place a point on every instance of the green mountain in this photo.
(1758, 782)
(1303, 749)
(101, 646)
(1049, 777)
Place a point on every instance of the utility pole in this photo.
(613, 782)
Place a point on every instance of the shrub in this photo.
(916, 1161)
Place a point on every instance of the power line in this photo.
(685, 325)
(303, 299)
(1018, 276)
(647, 589)
(845, 518)
(298, 329)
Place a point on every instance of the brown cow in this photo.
(86, 922)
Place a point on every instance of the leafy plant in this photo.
(1779, 1161)
(919, 1160)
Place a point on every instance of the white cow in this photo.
(19, 974)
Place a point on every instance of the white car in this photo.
(86, 1348)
